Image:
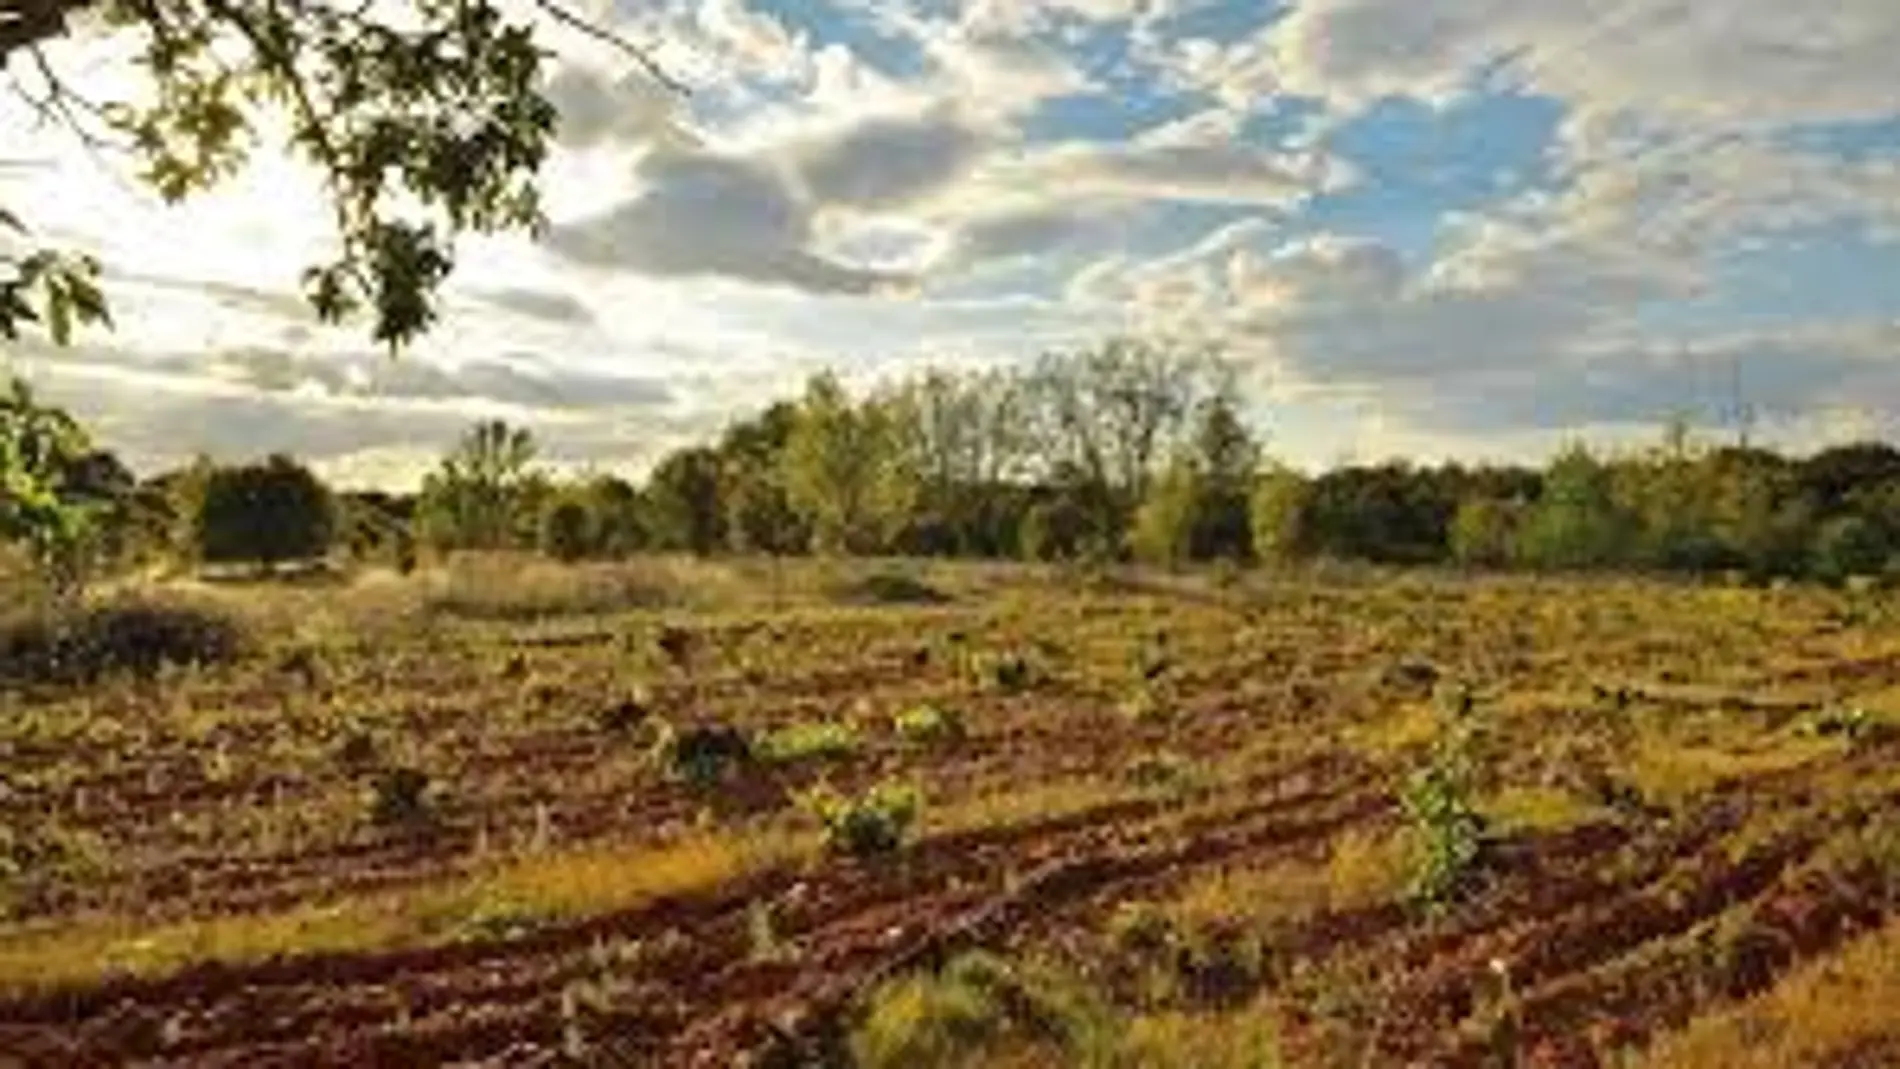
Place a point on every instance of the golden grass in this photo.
(1026, 805)
(1239, 1039)
(1813, 1016)
(551, 887)
(1363, 868)
(1538, 809)
(1663, 769)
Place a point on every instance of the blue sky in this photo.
(1461, 228)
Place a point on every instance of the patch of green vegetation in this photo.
(812, 741)
(978, 1008)
(1454, 835)
(877, 822)
(927, 723)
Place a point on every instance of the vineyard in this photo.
(713, 813)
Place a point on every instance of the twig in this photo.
(640, 55)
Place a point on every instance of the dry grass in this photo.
(1538, 809)
(1670, 771)
(550, 888)
(1362, 868)
(1813, 1017)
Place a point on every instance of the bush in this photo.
(139, 636)
(875, 823)
(701, 755)
(980, 1004)
(1438, 800)
(264, 513)
(1849, 546)
(567, 530)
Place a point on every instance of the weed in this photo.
(1009, 673)
(626, 715)
(1853, 725)
(814, 741)
(496, 921)
(875, 823)
(400, 796)
(929, 723)
(1166, 770)
(981, 1005)
(1438, 799)
(1210, 960)
(762, 933)
(1144, 706)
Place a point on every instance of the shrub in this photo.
(1438, 800)
(1849, 546)
(140, 636)
(567, 530)
(701, 755)
(875, 823)
(980, 1004)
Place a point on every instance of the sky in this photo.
(1473, 229)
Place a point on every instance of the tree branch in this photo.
(33, 21)
(639, 55)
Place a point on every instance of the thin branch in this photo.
(640, 55)
(61, 97)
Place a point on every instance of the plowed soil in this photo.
(1287, 718)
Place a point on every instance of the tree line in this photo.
(1130, 450)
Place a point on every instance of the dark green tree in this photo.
(1227, 460)
(684, 502)
(619, 521)
(568, 532)
(265, 514)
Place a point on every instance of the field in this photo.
(1310, 819)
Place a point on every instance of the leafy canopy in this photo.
(426, 119)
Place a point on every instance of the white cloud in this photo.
(703, 213)
(1740, 63)
(887, 161)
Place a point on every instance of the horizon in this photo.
(1467, 235)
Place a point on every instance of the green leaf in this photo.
(59, 313)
